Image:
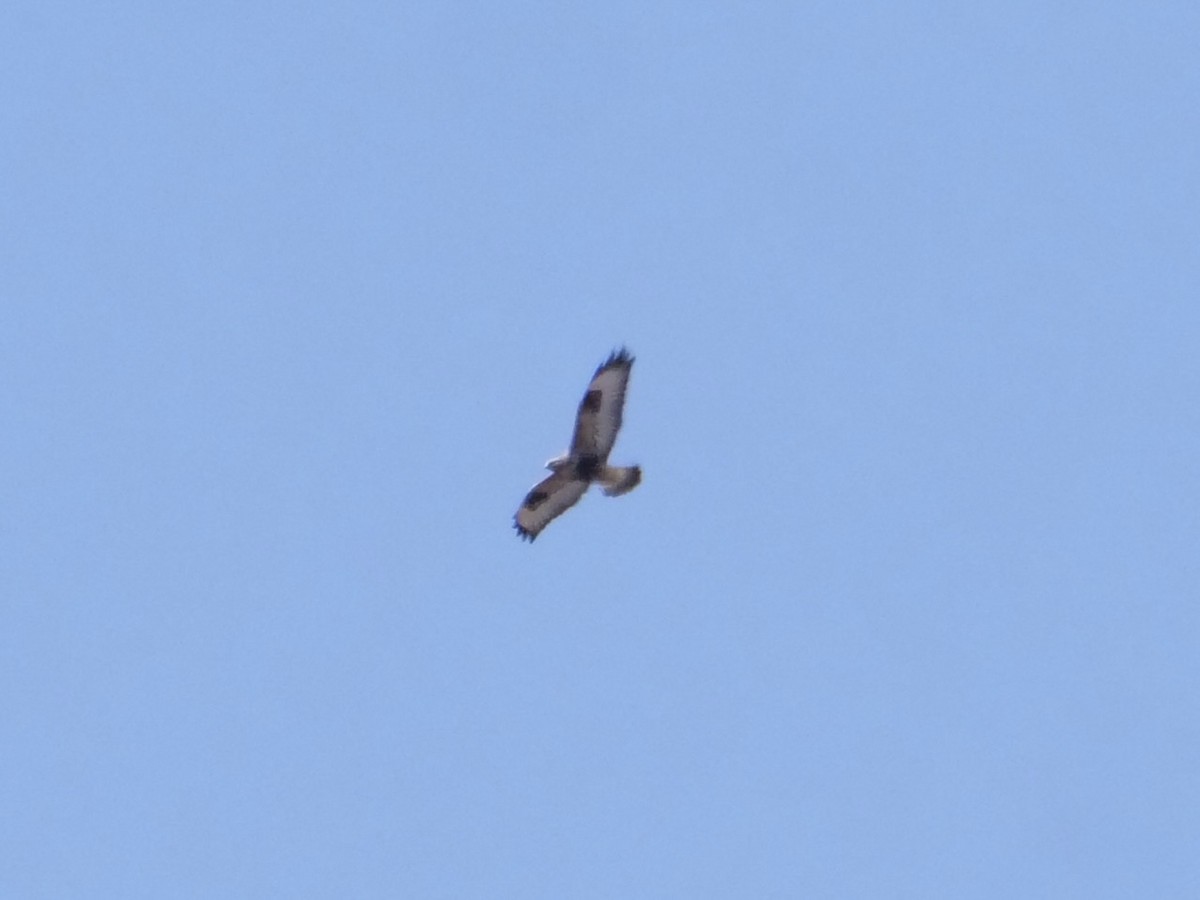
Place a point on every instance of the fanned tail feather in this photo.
(618, 480)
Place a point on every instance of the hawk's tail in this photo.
(618, 480)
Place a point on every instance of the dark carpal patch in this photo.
(591, 401)
(535, 499)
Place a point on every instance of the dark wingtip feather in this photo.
(619, 357)
(524, 533)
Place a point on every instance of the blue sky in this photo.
(297, 299)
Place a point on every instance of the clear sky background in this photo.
(296, 299)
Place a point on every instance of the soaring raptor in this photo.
(596, 427)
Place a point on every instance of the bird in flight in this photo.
(596, 427)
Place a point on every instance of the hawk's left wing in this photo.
(599, 416)
(549, 499)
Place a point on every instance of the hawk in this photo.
(596, 427)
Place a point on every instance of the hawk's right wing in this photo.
(549, 499)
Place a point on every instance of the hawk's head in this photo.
(559, 463)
